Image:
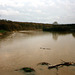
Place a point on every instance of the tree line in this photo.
(16, 26)
(13, 26)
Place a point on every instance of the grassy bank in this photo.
(2, 31)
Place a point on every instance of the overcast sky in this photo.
(44, 11)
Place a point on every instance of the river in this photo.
(28, 48)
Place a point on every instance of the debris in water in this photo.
(43, 63)
(45, 48)
(61, 65)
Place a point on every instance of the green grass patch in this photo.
(2, 31)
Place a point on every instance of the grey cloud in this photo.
(39, 10)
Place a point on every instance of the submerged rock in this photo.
(43, 63)
(27, 69)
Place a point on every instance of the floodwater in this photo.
(28, 48)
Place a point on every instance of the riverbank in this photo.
(2, 32)
(7, 25)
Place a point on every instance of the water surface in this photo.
(28, 48)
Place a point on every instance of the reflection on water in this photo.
(22, 49)
(73, 35)
(57, 34)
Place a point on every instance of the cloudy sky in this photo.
(44, 11)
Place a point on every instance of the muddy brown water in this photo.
(28, 48)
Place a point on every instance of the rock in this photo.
(43, 63)
(27, 69)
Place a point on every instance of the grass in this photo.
(2, 31)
